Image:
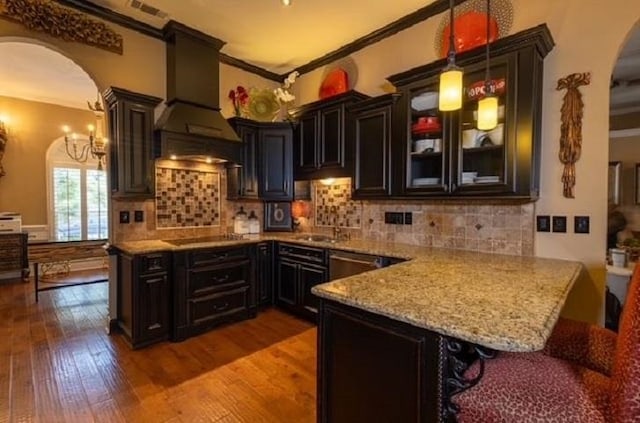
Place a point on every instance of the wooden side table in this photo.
(13, 253)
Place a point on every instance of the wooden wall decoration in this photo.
(571, 128)
(61, 22)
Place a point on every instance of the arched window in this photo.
(77, 196)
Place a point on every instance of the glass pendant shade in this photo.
(488, 113)
(450, 97)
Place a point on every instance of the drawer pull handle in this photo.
(221, 307)
(220, 256)
(222, 279)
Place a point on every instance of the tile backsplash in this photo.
(503, 227)
(187, 198)
(334, 206)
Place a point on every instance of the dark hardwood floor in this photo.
(57, 364)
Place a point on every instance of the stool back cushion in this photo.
(625, 378)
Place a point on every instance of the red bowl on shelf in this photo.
(426, 124)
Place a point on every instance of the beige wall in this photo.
(33, 127)
(588, 35)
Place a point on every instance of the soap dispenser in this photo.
(240, 223)
(254, 223)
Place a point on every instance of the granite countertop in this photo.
(508, 303)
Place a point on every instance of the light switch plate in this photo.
(581, 224)
(124, 216)
(559, 224)
(543, 223)
(138, 216)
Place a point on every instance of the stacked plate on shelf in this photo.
(469, 177)
(486, 179)
(425, 181)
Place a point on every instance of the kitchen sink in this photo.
(315, 238)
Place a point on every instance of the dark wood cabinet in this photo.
(130, 118)
(298, 269)
(143, 297)
(266, 171)
(324, 137)
(211, 286)
(373, 122)
(275, 167)
(13, 253)
(439, 154)
(264, 273)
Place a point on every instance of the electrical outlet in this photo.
(124, 216)
(559, 223)
(138, 216)
(394, 218)
(581, 224)
(543, 223)
(408, 218)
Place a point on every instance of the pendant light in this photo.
(488, 106)
(450, 93)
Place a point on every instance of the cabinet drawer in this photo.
(202, 281)
(211, 256)
(216, 307)
(308, 254)
(10, 264)
(151, 263)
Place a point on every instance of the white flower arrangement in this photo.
(283, 94)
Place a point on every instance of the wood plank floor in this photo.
(57, 364)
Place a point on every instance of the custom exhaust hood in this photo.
(192, 127)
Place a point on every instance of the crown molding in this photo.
(113, 17)
(424, 13)
(378, 35)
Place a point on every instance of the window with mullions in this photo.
(78, 198)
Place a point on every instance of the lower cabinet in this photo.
(143, 298)
(264, 273)
(211, 286)
(298, 269)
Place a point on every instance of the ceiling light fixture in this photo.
(450, 97)
(488, 105)
(95, 145)
(286, 2)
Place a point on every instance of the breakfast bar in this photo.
(393, 344)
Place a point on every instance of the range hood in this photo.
(192, 127)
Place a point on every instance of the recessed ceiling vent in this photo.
(149, 10)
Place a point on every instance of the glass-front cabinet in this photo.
(444, 154)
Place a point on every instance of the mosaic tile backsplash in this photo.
(334, 206)
(187, 198)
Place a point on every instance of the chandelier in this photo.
(80, 149)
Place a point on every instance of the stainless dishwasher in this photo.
(344, 263)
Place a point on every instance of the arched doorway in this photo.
(42, 90)
(623, 200)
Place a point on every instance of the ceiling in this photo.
(40, 74)
(625, 90)
(270, 35)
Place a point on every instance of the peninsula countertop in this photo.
(504, 302)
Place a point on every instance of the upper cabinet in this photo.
(323, 137)
(266, 172)
(131, 163)
(372, 171)
(444, 154)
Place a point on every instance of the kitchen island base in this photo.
(373, 368)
